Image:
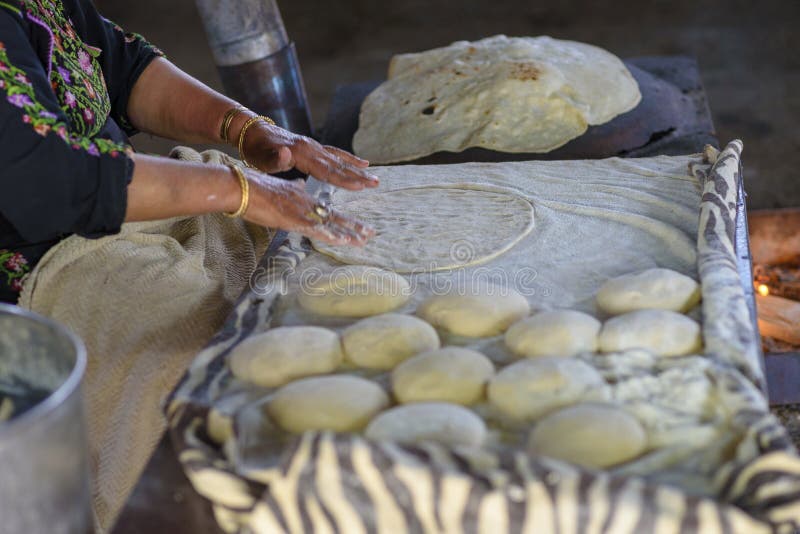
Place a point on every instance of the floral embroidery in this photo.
(131, 37)
(77, 78)
(20, 93)
(14, 267)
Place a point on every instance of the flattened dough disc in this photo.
(434, 228)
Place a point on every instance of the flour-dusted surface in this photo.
(593, 220)
(432, 228)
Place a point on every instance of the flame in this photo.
(763, 290)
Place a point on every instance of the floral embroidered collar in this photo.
(74, 71)
(77, 81)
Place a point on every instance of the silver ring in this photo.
(321, 212)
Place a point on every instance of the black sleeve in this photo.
(52, 181)
(124, 55)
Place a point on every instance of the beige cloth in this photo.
(144, 301)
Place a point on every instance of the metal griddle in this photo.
(672, 119)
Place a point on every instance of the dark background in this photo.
(749, 54)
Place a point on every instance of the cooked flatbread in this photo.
(508, 94)
(433, 228)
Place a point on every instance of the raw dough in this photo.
(486, 311)
(510, 94)
(662, 332)
(554, 333)
(282, 354)
(657, 288)
(451, 374)
(592, 435)
(432, 228)
(529, 389)
(354, 291)
(448, 424)
(219, 426)
(383, 341)
(342, 403)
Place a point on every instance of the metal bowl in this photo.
(44, 478)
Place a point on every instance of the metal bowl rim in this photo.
(67, 388)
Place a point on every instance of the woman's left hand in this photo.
(272, 149)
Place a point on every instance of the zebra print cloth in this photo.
(329, 483)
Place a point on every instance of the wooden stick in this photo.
(779, 318)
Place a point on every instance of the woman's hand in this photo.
(277, 203)
(272, 149)
(165, 187)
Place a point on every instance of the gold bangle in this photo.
(245, 186)
(248, 124)
(224, 128)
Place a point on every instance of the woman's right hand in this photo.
(284, 204)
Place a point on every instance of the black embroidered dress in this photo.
(65, 77)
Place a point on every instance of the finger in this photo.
(285, 159)
(339, 173)
(336, 227)
(353, 237)
(332, 235)
(355, 225)
(357, 237)
(307, 222)
(347, 156)
(313, 159)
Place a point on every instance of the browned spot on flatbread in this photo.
(525, 72)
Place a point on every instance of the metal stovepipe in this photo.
(256, 60)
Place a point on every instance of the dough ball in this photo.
(451, 374)
(219, 426)
(662, 332)
(354, 291)
(528, 389)
(342, 403)
(591, 435)
(482, 313)
(554, 333)
(383, 341)
(662, 289)
(282, 354)
(448, 424)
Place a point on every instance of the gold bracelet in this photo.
(224, 128)
(245, 186)
(248, 124)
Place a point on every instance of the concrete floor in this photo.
(747, 50)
